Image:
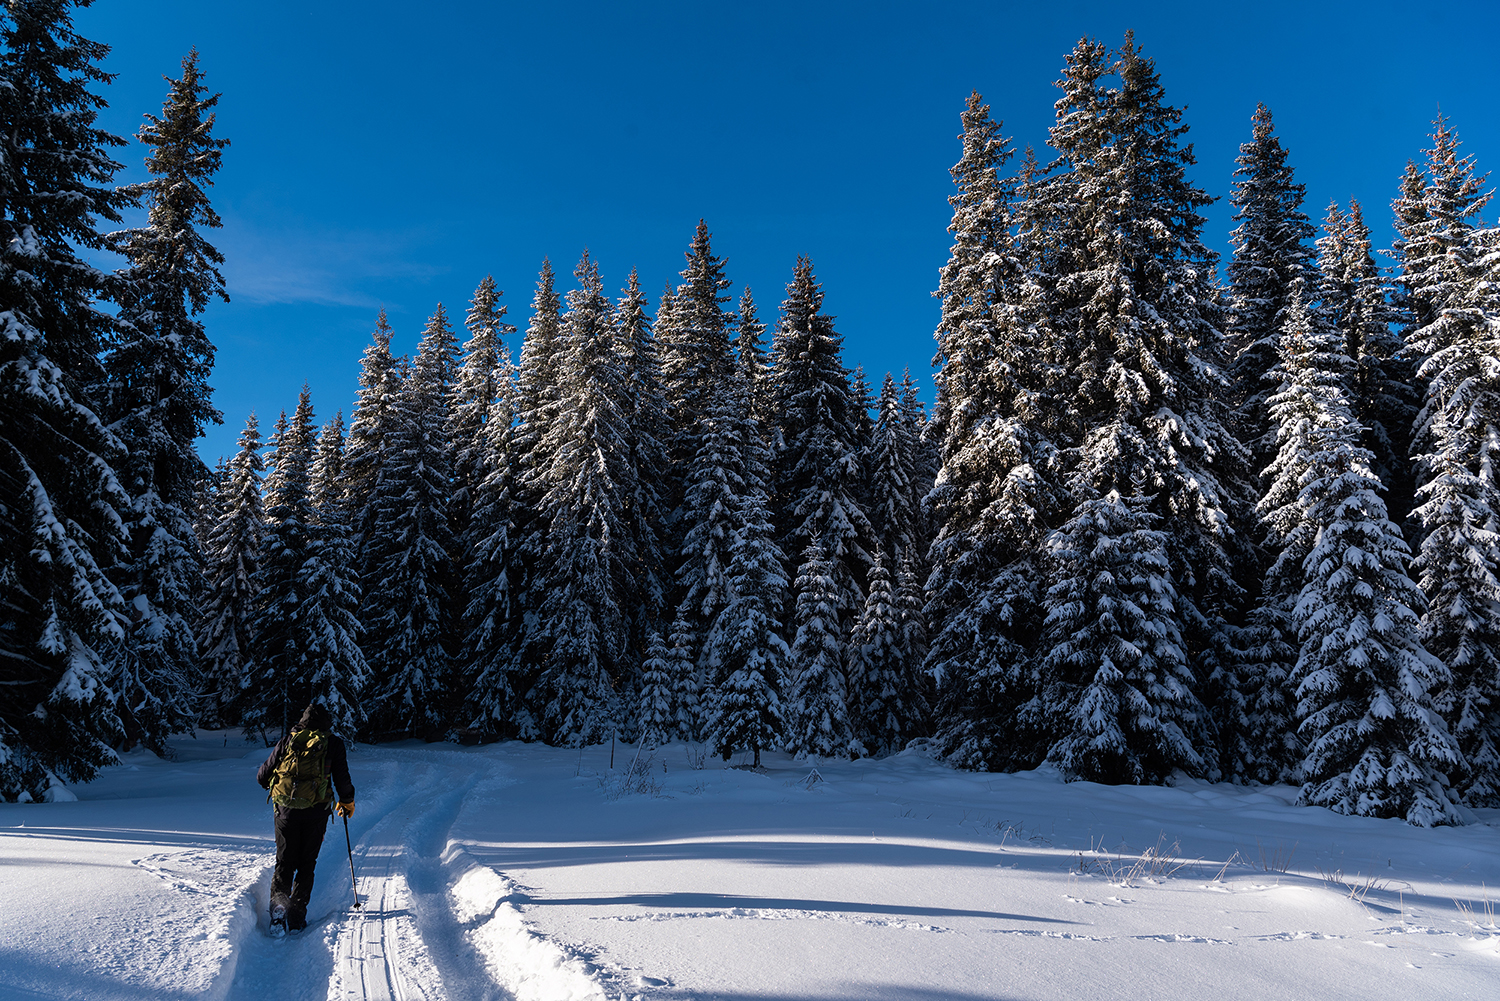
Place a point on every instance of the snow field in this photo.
(532, 873)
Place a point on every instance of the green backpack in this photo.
(301, 779)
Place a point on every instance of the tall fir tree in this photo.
(328, 619)
(582, 576)
(751, 357)
(886, 703)
(484, 658)
(380, 378)
(1272, 251)
(893, 507)
(408, 618)
(538, 396)
(1314, 369)
(1382, 384)
(1376, 745)
(818, 473)
(746, 655)
(479, 381)
(156, 397)
(688, 695)
(1459, 497)
(1149, 421)
(647, 426)
(817, 710)
(276, 686)
(994, 494)
(60, 503)
(232, 553)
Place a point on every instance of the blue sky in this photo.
(392, 154)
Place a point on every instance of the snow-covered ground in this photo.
(526, 872)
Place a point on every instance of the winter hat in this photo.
(315, 717)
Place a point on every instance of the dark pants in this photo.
(299, 835)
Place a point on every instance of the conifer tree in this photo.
(817, 709)
(1459, 499)
(538, 395)
(893, 508)
(924, 460)
(1116, 669)
(1353, 294)
(60, 503)
(818, 473)
(277, 684)
(1314, 370)
(687, 690)
(885, 703)
(232, 553)
(693, 338)
(482, 376)
(1147, 410)
(750, 352)
(993, 497)
(408, 618)
(485, 658)
(1376, 746)
(655, 721)
(157, 398)
(745, 652)
(646, 426)
(380, 378)
(582, 577)
(1271, 253)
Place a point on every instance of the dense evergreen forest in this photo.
(1159, 521)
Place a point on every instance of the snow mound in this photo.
(527, 965)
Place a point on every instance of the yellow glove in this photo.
(345, 810)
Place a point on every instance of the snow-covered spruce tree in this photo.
(380, 378)
(693, 350)
(408, 619)
(750, 355)
(993, 496)
(646, 428)
(232, 553)
(485, 655)
(1376, 745)
(817, 710)
(911, 601)
(1149, 421)
(886, 704)
(1436, 217)
(582, 577)
(481, 377)
(693, 343)
(745, 653)
(275, 685)
(1382, 385)
(538, 394)
(716, 480)
(1272, 250)
(924, 462)
(654, 713)
(60, 503)
(817, 472)
(156, 398)
(1115, 666)
(893, 508)
(328, 619)
(687, 687)
(1313, 371)
(1459, 500)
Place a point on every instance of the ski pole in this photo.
(354, 880)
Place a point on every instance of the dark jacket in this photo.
(338, 766)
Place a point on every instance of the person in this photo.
(305, 770)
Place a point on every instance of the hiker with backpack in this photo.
(306, 768)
